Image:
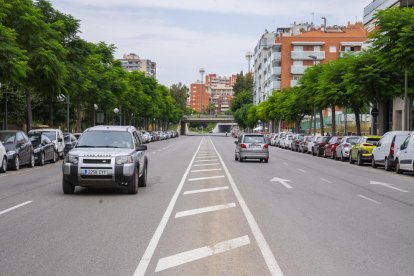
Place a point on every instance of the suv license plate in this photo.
(96, 172)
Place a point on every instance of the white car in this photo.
(311, 143)
(405, 156)
(56, 136)
(286, 141)
(3, 159)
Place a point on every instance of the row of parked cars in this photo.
(39, 146)
(393, 151)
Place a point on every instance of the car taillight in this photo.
(265, 146)
(392, 149)
(367, 145)
(243, 146)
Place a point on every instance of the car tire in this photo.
(387, 166)
(350, 159)
(359, 160)
(67, 187)
(397, 167)
(240, 159)
(55, 157)
(342, 158)
(142, 182)
(266, 160)
(3, 167)
(235, 157)
(318, 153)
(333, 155)
(16, 165)
(373, 163)
(42, 159)
(132, 187)
(32, 161)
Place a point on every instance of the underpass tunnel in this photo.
(224, 128)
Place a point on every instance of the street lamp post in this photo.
(66, 100)
(116, 111)
(249, 56)
(314, 108)
(95, 108)
(202, 71)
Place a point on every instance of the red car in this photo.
(330, 148)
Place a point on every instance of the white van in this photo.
(388, 146)
(56, 136)
(405, 156)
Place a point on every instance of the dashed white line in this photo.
(370, 199)
(206, 190)
(209, 164)
(303, 171)
(267, 254)
(204, 210)
(206, 170)
(326, 180)
(205, 156)
(206, 160)
(205, 178)
(149, 252)
(15, 207)
(200, 253)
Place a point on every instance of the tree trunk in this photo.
(29, 110)
(322, 130)
(357, 121)
(51, 123)
(333, 113)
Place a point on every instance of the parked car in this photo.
(77, 135)
(297, 138)
(106, 156)
(330, 147)
(273, 139)
(70, 141)
(303, 145)
(362, 150)
(319, 145)
(279, 138)
(344, 147)
(56, 136)
(311, 143)
(285, 142)
(3, 159)
(405, 156)
(251, 146)
(386, 149)
(43, 149)
(19, 150)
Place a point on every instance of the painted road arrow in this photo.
(282, 181)
(387, 185)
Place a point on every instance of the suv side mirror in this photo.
(141, 148)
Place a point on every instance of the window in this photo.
(332, 49)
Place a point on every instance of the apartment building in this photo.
(132, 62)
(199, 98)
(376, 5)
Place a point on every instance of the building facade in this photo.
(132, 62)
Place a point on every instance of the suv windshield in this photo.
(7, 137)
(254, 139)
(105, 139)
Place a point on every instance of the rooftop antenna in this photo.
(313, 17)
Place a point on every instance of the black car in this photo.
(19, 149)
(70, 141)
(43, 148)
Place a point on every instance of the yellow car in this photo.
(361, 152)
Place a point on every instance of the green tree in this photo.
(179, 93)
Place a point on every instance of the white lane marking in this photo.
(200, 253)
(326, 180)
(268, 256)
(15, 207)
(206, 160)
(282, 181)
(201, 165)
(286, 164)
(206, 178)
(205, 156)
(149, 252)
(207, 170)
(370, 199)
(388, 186)
(303, 171)
(206, 190)
(204, 210)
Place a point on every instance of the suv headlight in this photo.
(73, 159)
(124, 159)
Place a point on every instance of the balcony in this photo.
(343, 53)
(293, 83)
(275, 85)
(305, 55)
(276, 71)
(276, 56)
(297, 70)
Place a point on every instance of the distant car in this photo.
(3, 159)
(386, 149)
(251, 146)
(303, 146)
(330, 147)
(286, 141)
(77, 135)
(311, 143)
(344, 147)
(297, 139)
(43, 148)
(319, 145)
(70, 141)
(362, 150)
(56, 136)
(404, 158)
(19, 149)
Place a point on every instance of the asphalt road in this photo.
(203, 213)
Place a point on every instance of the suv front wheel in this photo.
(132, 187)
(67, 187)
(142, 182)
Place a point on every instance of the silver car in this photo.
(344, 148)
(251, 146)
(109, 156)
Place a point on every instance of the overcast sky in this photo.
(183, 35)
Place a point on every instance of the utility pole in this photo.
(249, 56)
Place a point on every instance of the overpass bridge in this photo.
(221, 119)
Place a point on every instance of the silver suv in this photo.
(106, 156)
